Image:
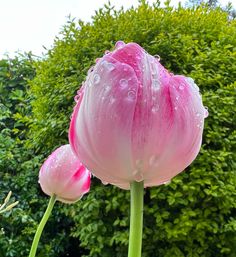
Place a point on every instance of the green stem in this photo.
(41, 226)
(136, 219)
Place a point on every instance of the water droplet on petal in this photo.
(104, 183)
(177, 98)
(96, 79)
(112, 99)
(76, 98)
(155, 84)
(206, 113)
(89, 83)
(181, 87)
(131, 94)
(153, 69)
(175, 108)
(155, 108)
(90, 70)
(107, 52)
(123, 83)
(107, 88)
(108, 65)
(119, 44)
(138, 176)
(157, 57)
(154, 160)
(139, 164)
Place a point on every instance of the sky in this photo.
(28, 25)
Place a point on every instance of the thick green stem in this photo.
(136, 219)
(41, 226)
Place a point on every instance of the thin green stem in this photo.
(136, 219)
(41, 226)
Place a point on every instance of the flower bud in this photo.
(63, 175)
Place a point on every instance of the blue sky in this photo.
(27, 25)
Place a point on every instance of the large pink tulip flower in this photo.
(135, 121)
(63, 175)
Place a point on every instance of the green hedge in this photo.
(193, 216)
(19, 167)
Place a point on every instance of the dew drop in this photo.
(89, 83)
(123, 83)
(107, 52)
(153, 69)
(138, 176)
(154, 161)
(139, 164)
(198, 114)
(90, 70)
(155, 108)
(108, 65)
(76, 98)
(119, 44)
(157, 57)
(175, 108)
(131, 94)
(96, 79)
(156, 84)
(104, 183)
(206, 113)
(107, 89)
(177, 98)
(112, 99)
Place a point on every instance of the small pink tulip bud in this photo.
(63, 175)
(135, 121)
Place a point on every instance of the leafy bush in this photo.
(19, 168)
(194, 215)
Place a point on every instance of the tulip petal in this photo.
(109, 99)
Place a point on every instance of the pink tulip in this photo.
(135, 121)
(63, 175)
